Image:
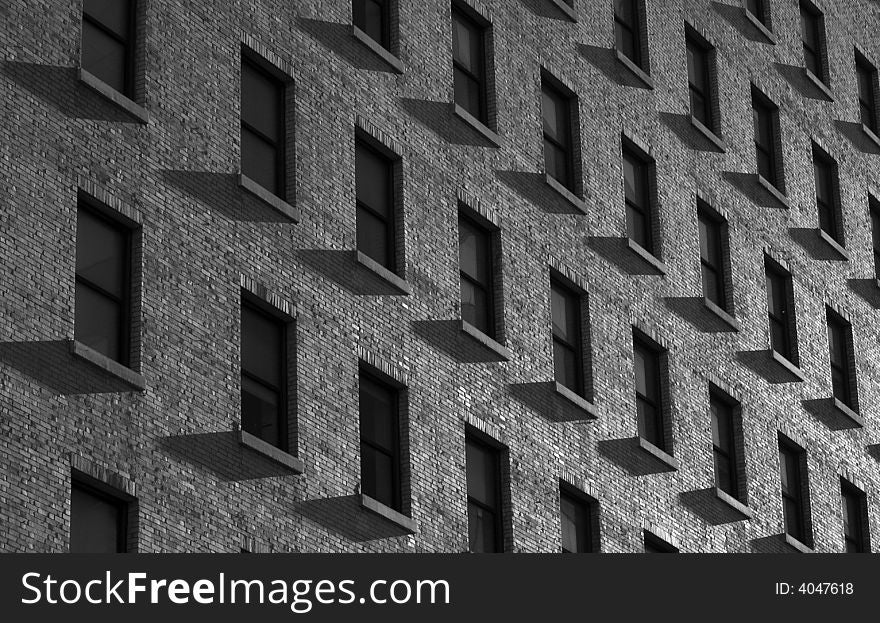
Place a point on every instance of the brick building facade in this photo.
(161, 158)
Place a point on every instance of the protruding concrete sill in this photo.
(578, 401)
(646, 255)
(761, 27)
(723, 315)
(476, 124)
(484, 340)
(871, 135)
(565, 193)
(399, 519)
(375, 267)
(567, 10)
(105, 90)
(848, 412)
(735, 504)
(256, 444)
(789, 366)
(777, 194)
(796, 545)
(831, 242)
(817, 82)
(377, 49)
(638, 71)
(658, 454)
(111, 367)
(273, 201)
(709, 134)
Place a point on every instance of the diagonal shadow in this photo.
(542, 8)
(221, 193)
(747, 184)
(797, 78)
(438, 118)
(735, 15)
(541, 397)
(682, 127)
(873, 451)
(605, 60)
(693, 310)
(773, 544)
(447, 337)
(222, 455)
(761, 363)
(344, 515)
(338, 39)
(705, 504)
(808, 238)
(628, 455)
(533, 188)
(867, 289)
(60, 88)
(342, 268)
(824, 411)
(617, 252)
(854, 133)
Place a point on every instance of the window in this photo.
(758, 9)
(103, 291)
(484, 497)
(713, 242)
(780, 311)
(764, 114)
(380, 441)
(374, 173)
(874, 207)
(700, 57)
(655, 545)
(792, 469)
(812, 36)
(628, 31)
(843, 381)
(262, 127)
(373, 17)
(867, 80)
(565, 310)
(469, 64)
(639, 214)
(98, 521)
(108, 42)
(556, 108)
(477, 278)
(825, 170)
(724, 446)
(577, 529)
(263, 375)
(649, 395)
(855, 519)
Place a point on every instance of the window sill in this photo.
(375, 267)
(709, 134)
(848, 412)
(105, 90)
(788, 365)
(388, 513)
(476, 124)
(567, 10)
(273, 201)
(657, 453)
(761, 27)
(723, 315)
(733, 503)
(110, 366)
(268, 450)
(470, 330)
(646, 255)
(871, 135)
(796, 544)
(817, 82)
(578, 401)
(377, 49)
(777, 194)
(565, 193)
(831, 242)
(638, 71)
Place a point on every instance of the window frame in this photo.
(391, 161)
(489, 288)
(481, 28)
(874, 216)
(795, 494)
(97, 490)
(695, 43)
(129, 44)
(653, 354)
(653, 542)
(860, 541)
(253, 62)
(576, 297)
(786, 319)
(758, 10)
(812, 22)
(588, 535)
(829, 210)
(396, 455)
(476, 439)
(766, 113)
(358, 7)
(644, 166)
(845, 368)
(733, 456)
(553, 88)
(636, 30)
(717, 265)
(867, 107)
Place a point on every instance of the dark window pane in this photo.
(482, 537)
(556, 163)
(575, 520)
(475, 306)
(377, 476)
(261, 102)
(96, 523)
(482, 474)
(467, 93)
(98, 322)
(104, 57)
(260, 411)
(101, 254)
(473, 252)
(372, 173)
(262, 346)
(370, 17)
(377, 414)
(259, 161)
(372, 237)
(112, 14)
(565, 364)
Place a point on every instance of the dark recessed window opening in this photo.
(577, 529)
(724, 445)
(702, 96)
(380, 441)
(103, 285)
(263, 376)
(628, 30)
(758, 9)
(843, 382)
(713, 234)
(874, 206)
(764, 116)
(825, 173)
(655, 545)
(649, 394)
(639, 217)
(792, 469)
(866, 75)
(374, 173)
(780, 312)
(262, 127)
(485, 533)
(108, 42)
(476, 273)
(469, 64)
(855, 519)
(98, 521)
(565, 310)
(558, 151)
(811, 36)
(373, 17)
